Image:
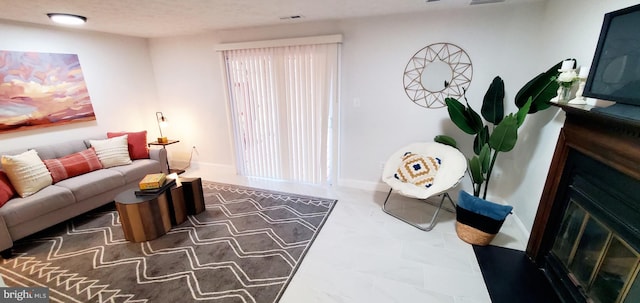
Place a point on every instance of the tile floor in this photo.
(364, 255)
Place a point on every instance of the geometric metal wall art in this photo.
(436, 72)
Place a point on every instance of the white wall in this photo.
(568, 29)
(117, 71)
(500, 40)
(516, 42)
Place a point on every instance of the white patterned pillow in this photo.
(418, 169)
(27, 172)
(112, 152)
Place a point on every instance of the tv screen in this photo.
(615, 70)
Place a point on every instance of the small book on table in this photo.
(155, 191)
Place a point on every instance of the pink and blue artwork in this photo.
(41, 90)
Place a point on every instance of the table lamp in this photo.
(162, 122)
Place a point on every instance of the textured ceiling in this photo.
(157, 18)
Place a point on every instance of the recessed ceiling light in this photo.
(67, 19)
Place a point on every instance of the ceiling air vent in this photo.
(475, 2)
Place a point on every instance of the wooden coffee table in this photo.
(143, 218)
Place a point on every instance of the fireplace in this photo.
(586, 236)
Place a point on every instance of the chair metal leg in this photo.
(432, 224)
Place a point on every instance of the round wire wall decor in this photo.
(438, 71)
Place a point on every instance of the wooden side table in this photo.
(193, 195)
(164, 146)
(177, 206)
(143, 218)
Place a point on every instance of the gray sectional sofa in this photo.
(68, 198)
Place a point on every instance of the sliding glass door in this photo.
(283, 103)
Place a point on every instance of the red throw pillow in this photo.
(6, 189)
(73, 165)
(137, 142)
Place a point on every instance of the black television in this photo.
(615, 69)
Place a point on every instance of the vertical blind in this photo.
(281, 101)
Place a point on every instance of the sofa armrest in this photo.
(160, 155)
(5, 238)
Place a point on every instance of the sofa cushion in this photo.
(27, 173)
(49, 199)
(6, 189)
(112, 152)
(137, 143)
(135, 171)
(92, 183)
(73, 165)
(58, 150)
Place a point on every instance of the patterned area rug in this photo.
(245, 247)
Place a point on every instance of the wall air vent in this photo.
(294, 17)
(476, 2)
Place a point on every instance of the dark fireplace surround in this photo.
(596, 171)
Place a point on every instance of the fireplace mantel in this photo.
(609, 140)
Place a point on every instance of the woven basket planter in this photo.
(476, 228)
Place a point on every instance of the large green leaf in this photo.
(458, 114)
(481, 139)
(505, 135)
(522, 112)
(493, 103)
(542, 89)
(476, 170)
(446, 140)
(474, 119)
(485, 158)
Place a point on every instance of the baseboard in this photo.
(364, 185)
(205, 169)
(523, 229)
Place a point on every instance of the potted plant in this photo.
(479, 220)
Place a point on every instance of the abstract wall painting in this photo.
(41, 90)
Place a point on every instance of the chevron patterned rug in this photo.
(245, 248)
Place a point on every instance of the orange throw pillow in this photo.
(6, 189)
(73, 165)
(137, 143)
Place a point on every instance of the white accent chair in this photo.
(452, 168)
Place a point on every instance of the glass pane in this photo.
(633, 295)
(614, 272)
(568, 235)
(589, 250)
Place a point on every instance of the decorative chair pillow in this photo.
(137, 143)
(112, 152)
(418, 169)
(73, 165)
(6, 189)
(27, 173)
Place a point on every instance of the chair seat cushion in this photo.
(135, 171)
(49, 199)
(92, 183)
(452, 168)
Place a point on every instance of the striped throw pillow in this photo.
(112, 152)
(73, 165)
